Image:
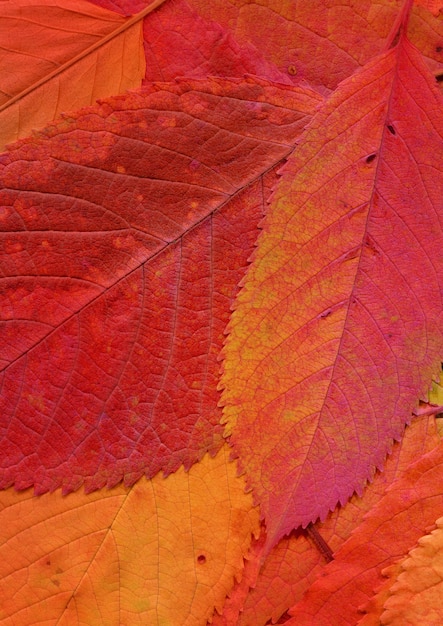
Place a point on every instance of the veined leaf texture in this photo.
(317, 372)
(122, 258)
(241, 257)
(87, 53)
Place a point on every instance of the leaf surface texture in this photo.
(165, 550)
(334, 335)
(84, 53)
(122, 255)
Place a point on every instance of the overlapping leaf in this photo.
(322, 41)
(83, 53)
(337, 329)
(125, 231)
(268, 587)
(201, 47)
(178, 41)
(416, 586)
(407, 511)
(163, 551)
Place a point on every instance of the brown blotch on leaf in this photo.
(292, 70)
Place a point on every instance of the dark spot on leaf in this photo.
(370, 158)
(439, 78)
(391, 129)
(48, 562)
(292, 70)
(441, 365)
(201, 559)
(438, 48)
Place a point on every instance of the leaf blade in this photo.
(411, 504)
(121, 256)
(330, 301)
(166, 549)
(64, 72)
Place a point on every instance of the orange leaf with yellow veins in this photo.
(164, 551)
(409, 508)
(294, 563)
(84, 53)
(337, 330)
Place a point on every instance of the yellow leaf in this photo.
(164, 551)
(416, 585)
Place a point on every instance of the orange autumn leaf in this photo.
(317, 379)
(125, 383)
(412, 597)
(435, 6)
(85, 53)
(374, 608)
(162, 551)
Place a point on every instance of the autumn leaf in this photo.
(269, 586)
(323, 42)
(409, 508)
(335, 334)
(126, 230)
(116, 287)
(415, 589)
(115, 556)
(203, 48)
(97, 51)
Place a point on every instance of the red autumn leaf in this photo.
(268, 587)
(413, 593)
(322, 41)
(125, 231)
(178, 41)
(337, 330)
(202, 46)
(409, 508)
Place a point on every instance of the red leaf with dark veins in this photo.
(125, 230)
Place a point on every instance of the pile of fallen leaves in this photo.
(221, 313)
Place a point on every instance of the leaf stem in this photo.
(319, 542)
